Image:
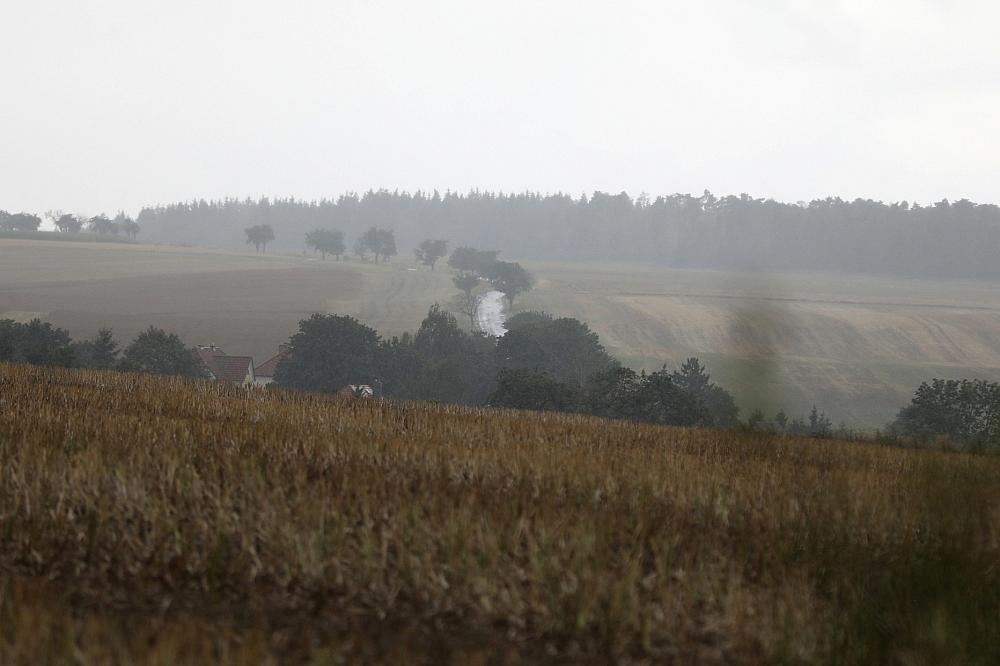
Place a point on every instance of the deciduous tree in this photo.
(510, 278)
(68, 224)
(160, 353)
(326, 241)
(101, 225)
(328, 353)
(966, 411)
(19, 222)
(467, 301)
(471, 260)
(429, 251)
(564, 348)
(259, 236)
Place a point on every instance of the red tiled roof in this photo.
(208, 355)
(234, 369)
(266, 369)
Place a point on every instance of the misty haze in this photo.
(638, 332)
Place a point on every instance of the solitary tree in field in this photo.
(510, 278)
(326, 241)
(468, 300)
(429, 251)
(259, 236)
(380, 242)
(160, 353)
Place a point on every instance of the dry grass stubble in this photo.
(163, 520)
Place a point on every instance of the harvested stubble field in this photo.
(159, 520)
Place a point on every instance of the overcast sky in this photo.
(109, 104)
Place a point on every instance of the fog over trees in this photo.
(946, 239)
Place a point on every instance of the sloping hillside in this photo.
(159, 520)
(856, 346)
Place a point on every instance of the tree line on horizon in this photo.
(945, 239)
(68, 223)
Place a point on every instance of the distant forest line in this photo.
(946, 239)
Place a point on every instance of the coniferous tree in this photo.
(720, 404)
(99, 352)
(946, 239)
(36, 342)
(126, 225)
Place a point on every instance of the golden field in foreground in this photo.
(157, 520)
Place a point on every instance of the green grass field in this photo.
(855, 346)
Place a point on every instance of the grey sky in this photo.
(113, 104)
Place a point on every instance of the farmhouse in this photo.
(221, 366)
(240, 371)
(264, 373)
